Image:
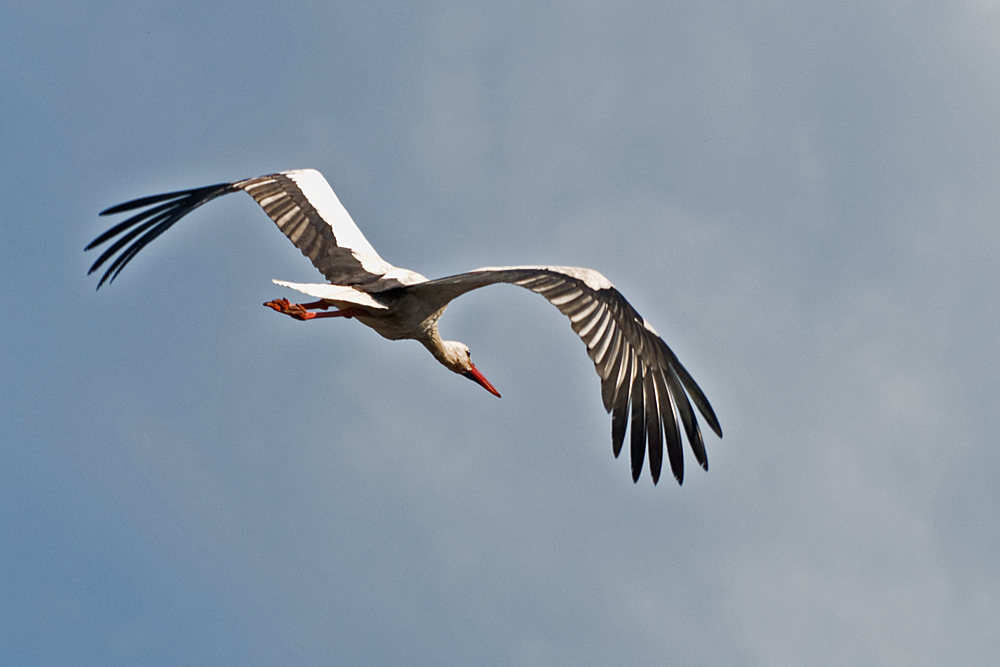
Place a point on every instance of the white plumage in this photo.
(643, 385)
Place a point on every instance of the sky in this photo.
(802, 198)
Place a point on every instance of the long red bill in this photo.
(477, 377)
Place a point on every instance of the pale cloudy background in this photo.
(802, 198)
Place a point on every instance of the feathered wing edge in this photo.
(643, 384)
(143, 227)
(307, 211)
(302, 205)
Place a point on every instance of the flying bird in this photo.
(643, 385)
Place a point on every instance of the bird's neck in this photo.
(442, 351)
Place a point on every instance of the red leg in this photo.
(346, 312)
(300, 311)
(315, 305)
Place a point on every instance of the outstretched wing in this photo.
(301, 203)
(643, 385)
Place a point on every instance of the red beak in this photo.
(477, 377)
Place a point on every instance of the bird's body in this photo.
(644, 386)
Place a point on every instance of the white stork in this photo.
(636, 367)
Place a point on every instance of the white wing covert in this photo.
(643, 384)
(306, 210)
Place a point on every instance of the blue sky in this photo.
(802, 199)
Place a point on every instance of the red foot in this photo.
(295, 310)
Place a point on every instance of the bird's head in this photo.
(457, 358)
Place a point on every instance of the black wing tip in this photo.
(709, 414)
(676, 459)
(677, 468)
(655, 475)
(162, 211)
(142, 202)
(109, 275)
(699, 398)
